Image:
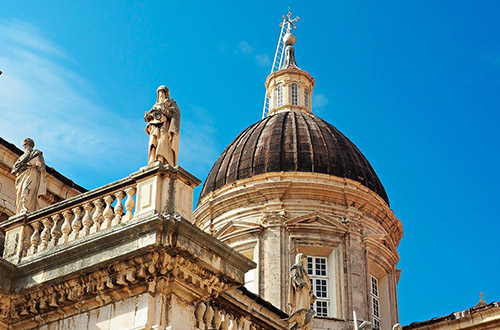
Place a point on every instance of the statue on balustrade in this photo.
(163, 126)
(31, 178)
(301, 296)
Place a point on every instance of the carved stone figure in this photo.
(31, 179)
(301, 295)
(163, 129)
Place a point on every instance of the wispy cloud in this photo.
(245, 47)
(42, 97)
(261, 59)
(319, 102)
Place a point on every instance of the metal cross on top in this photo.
(289, 21)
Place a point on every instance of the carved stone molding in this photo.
(117, 281)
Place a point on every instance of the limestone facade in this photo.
(278, 215)
(123, 256)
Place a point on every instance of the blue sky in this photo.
(414, 84)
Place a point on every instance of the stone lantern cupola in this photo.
(290, 88)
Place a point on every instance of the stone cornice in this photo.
(323, 192)
(172, 256)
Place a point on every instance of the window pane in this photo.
(322, 308)
(310, 266)
(294, 95)
(279, 96)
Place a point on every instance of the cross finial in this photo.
(289, 20)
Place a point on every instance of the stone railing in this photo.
(209, 316)
(87, 217)
(144, 192)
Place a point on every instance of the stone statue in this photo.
(31, 179)
(163, 128)
(301, 296)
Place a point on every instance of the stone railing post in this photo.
(118, 208)
(129, 203)
(97, 216)
(87, 220)
(55, 233)
(76, 224)
(108, 212)
(65, 227)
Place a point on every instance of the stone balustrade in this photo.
(152, 189)
(85, 218)
(211, 316)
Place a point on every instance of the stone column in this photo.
(356, 274)
(273, 260)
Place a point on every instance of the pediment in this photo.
(316, 220)
(232, 227)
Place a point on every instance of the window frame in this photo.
(294, 94)
(375, 301)
(279, 95)
(322, 304)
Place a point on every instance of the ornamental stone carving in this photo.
(301, 296)
(31, 179)
(163, 129)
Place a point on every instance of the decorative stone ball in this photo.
(289, 39)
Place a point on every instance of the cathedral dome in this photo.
(291, 141)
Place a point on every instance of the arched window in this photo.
(294, 95)
(279, 96)
(306, 98)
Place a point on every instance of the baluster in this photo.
(97, 216)
(198, 315)
(35, 238)
(233, 325)
(244, 323)
(217, 318)
(25, 241)
(45, 235)
(86, 221)
(108, 212)
(55, 233)
(76, 224)
(225, 321)
(118, 208)
(129, 204)
(207, 318)
(65, 227)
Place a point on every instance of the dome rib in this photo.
(292, 142)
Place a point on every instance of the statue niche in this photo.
(301, 296)
(163, 126)
(31, 178)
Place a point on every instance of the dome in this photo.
(291, 141)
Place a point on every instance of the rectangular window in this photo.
(317, 271)
(295, 94)
(375, 303)
(279, 96)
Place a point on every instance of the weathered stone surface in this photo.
(291, 142)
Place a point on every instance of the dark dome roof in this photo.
(291, 142)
